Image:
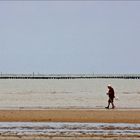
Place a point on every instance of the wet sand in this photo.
(67, 138)
(71, 115)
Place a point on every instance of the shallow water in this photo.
(68, 129)
(73, 93)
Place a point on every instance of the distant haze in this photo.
(70, 36)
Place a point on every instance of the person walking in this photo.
(111, 95)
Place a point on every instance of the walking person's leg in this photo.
(112, 103)
(108, 104)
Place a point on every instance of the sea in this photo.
(68, 93)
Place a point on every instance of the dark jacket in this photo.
(111, 93)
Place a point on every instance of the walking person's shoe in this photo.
(113, 107)
(107, 107)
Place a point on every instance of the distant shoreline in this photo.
(69, 76)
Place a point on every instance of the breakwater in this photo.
(68, 76)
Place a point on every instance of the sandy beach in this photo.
(71, 115)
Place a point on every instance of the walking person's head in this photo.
(109, 86)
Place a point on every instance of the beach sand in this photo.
(71, 115)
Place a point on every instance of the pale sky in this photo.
(70, 37)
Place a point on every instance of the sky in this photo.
(56, 37)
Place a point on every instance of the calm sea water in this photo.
(76, 93)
